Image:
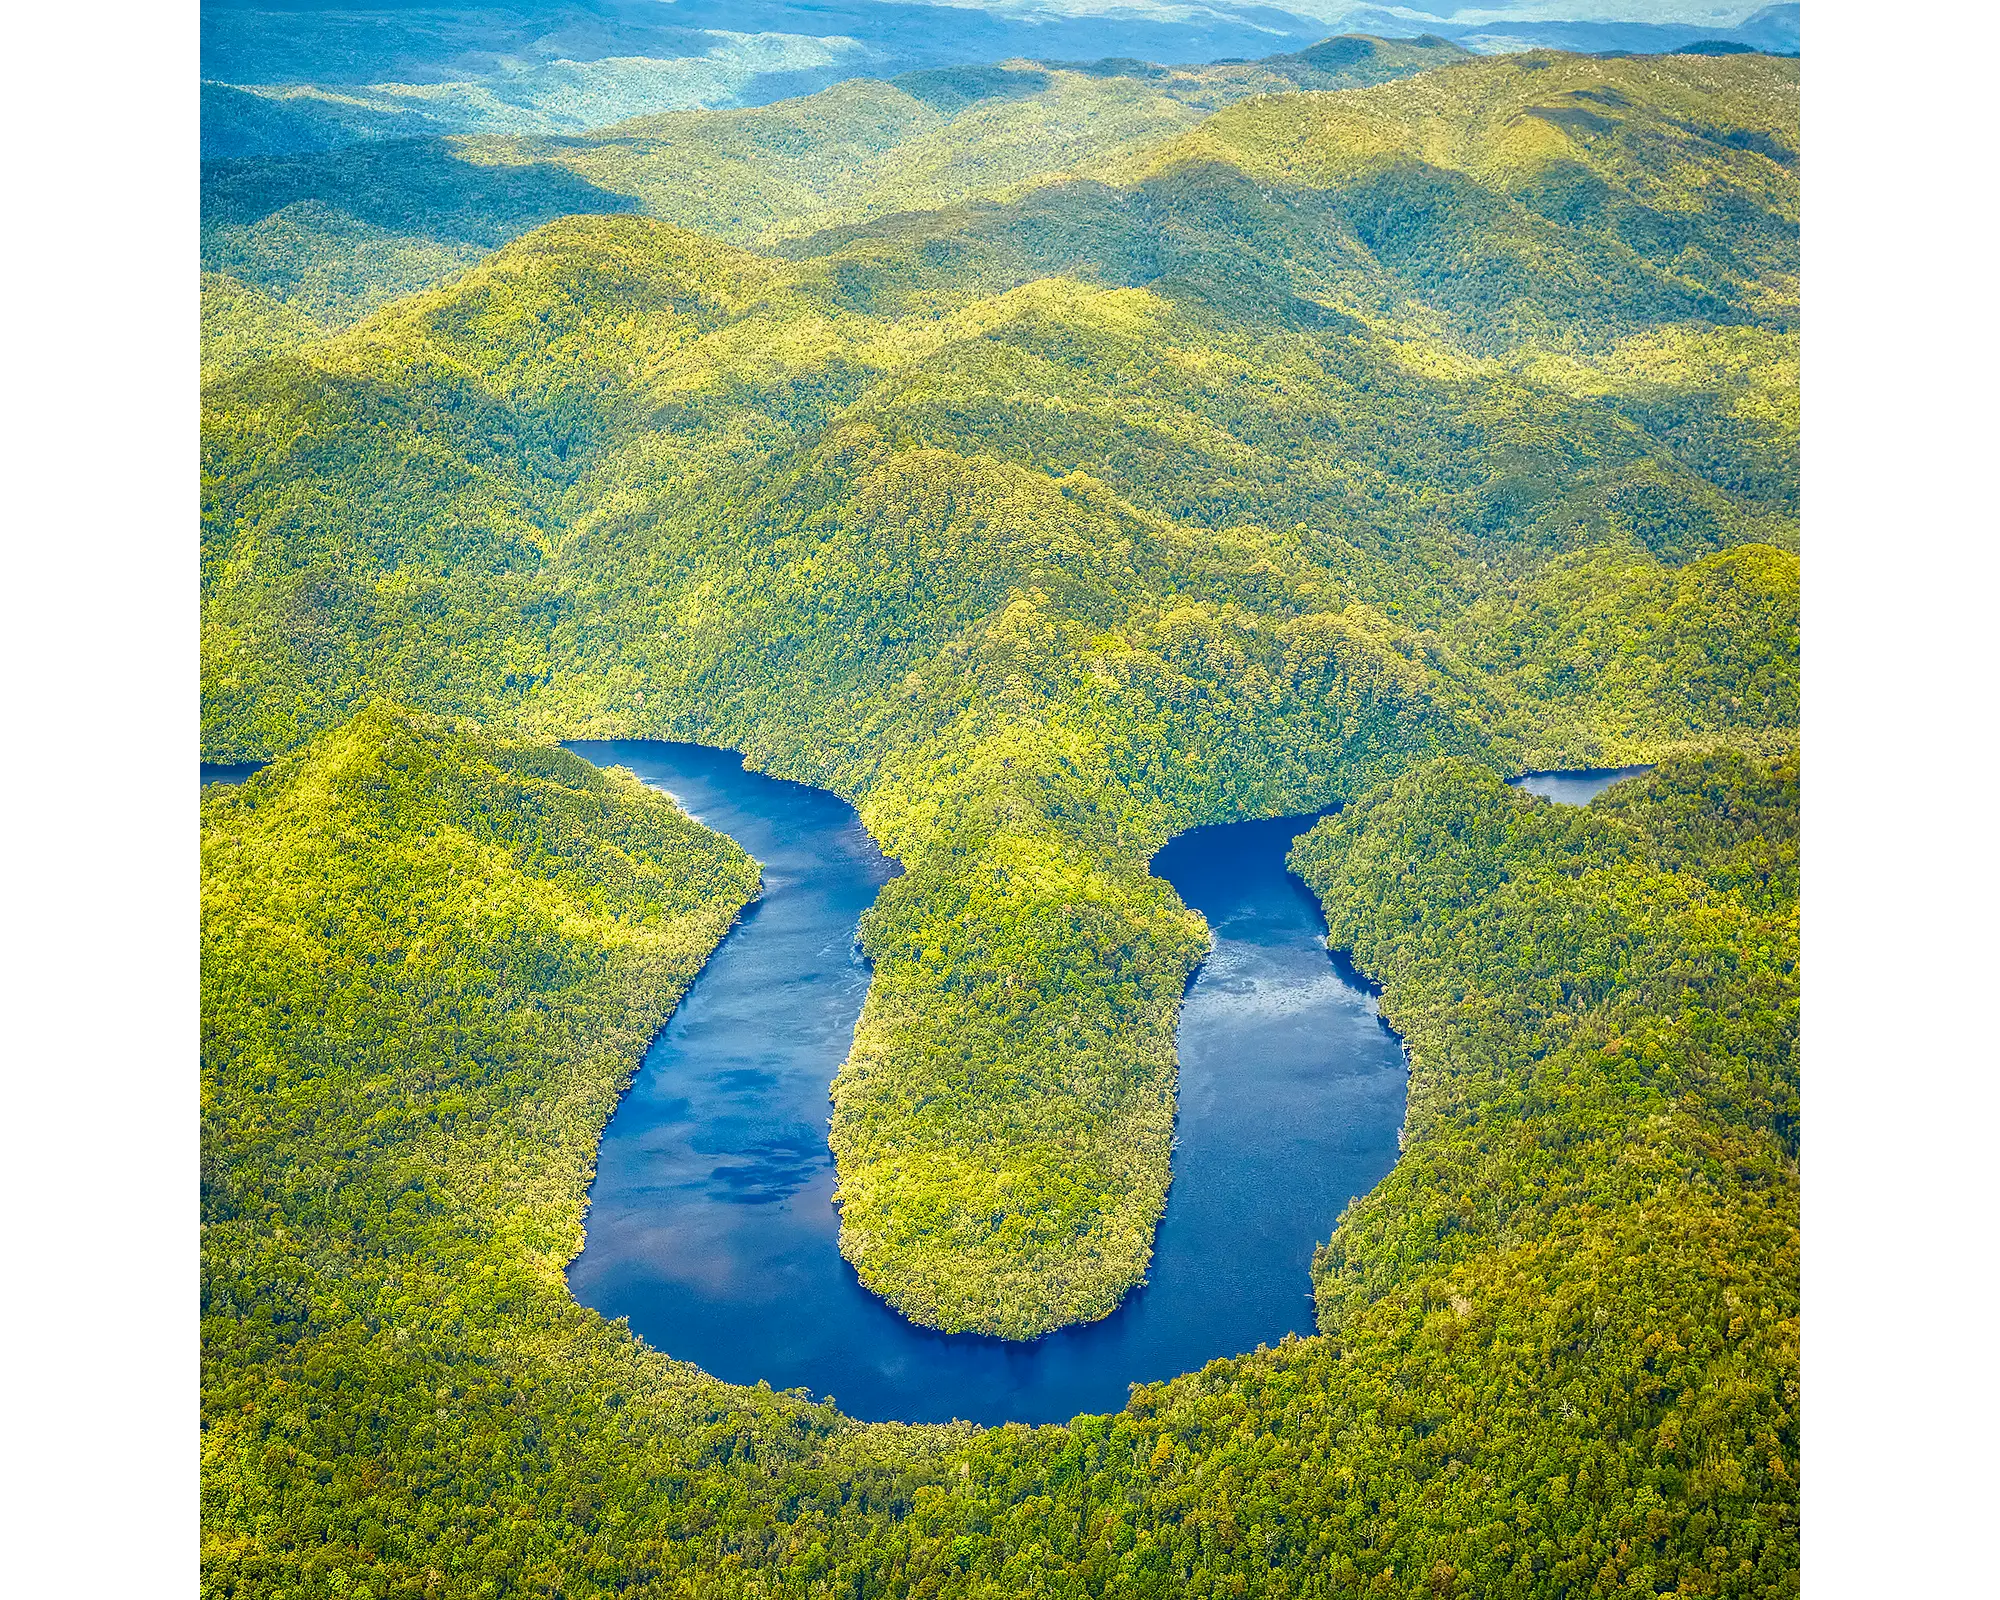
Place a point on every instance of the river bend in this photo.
(711, 1223)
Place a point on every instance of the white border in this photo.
(1900, 809)
(100, 1170)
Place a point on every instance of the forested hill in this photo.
(300, 75)
(332, 234)
(1451, 415)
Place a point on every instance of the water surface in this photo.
(711, 1225)
(230, 771)
(1577, 787)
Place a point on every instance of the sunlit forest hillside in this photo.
(1558, 1351)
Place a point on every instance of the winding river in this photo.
(711, 1224)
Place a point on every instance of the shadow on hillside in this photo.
(408, 186)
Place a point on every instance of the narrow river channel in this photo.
(711, 1224)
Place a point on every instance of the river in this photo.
(711, 1224)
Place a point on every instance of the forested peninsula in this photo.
(1356, 447)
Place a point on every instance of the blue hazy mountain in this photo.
(306, 77)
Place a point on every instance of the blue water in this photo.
(229, 772)
(711, 1224)
(1577, 788)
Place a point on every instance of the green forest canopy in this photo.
(1558, 1346)
(1406, 436)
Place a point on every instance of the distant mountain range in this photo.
(331, 234)
(307, 77)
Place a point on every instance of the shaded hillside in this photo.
(335, 236)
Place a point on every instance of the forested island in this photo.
(1356, 429)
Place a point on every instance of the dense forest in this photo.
(1047, 459)
(1559, 1345)
(309, 76)
(333, 233)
